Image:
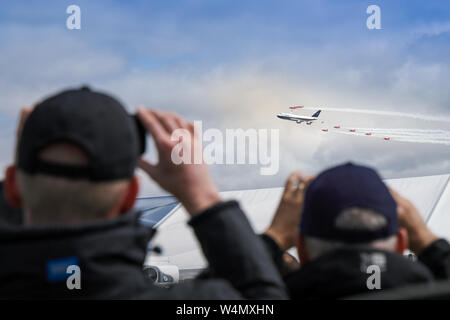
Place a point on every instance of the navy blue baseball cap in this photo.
(344, 187)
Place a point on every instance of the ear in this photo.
(301, 250)
(131, 194)
(402, 240)
(11, 187)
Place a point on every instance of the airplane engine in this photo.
(309, 123)
(163, 276)
(298, 122)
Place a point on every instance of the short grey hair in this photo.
(354, 218)
(55, 200)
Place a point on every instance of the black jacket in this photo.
(111, 254)
(8, 214)
(343, 272)
(437, 258)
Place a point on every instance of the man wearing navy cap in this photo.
(348, 236)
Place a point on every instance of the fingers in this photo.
(395, 194)
(24, 113)
(169, 121)
(181, 123)
(297, 183)
(293, 181)
(153, 125)
(402, 202)
(161, 123)
(307, 181)
(191, 128)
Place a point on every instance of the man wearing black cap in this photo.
(348, 236)
(74, 178)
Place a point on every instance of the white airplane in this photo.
(299, 119)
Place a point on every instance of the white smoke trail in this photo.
(401, 134)
(417, 116)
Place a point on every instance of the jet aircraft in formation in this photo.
(310, 119)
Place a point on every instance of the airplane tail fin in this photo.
(316, 115)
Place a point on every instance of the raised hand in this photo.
(191, 183)
(284, 226)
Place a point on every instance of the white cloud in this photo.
(433, 29)
(247, 90)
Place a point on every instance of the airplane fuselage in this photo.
(295, 117)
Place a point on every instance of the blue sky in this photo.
(236, 64)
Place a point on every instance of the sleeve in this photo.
(236, 254)
(274, 251)
(437, 258)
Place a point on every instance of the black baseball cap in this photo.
(344, 187)
(95, 122)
